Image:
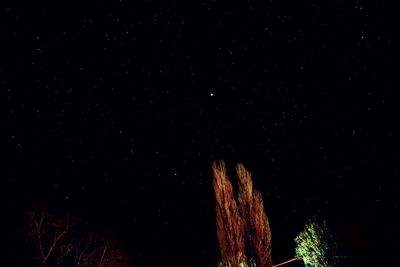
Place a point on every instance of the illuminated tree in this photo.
(315, 246)
(230, 226)
(242, 227)
(258, 233)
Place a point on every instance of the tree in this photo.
(230, 225)
(315, 245)
(60, 241)
(49, 234)
(242, 226)
(258, 232)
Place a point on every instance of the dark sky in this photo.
(116, 114)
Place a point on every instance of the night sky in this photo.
(116, 114)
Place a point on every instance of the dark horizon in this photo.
(115, 114)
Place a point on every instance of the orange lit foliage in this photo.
(258, 233)
(242, 227)
(230, 226)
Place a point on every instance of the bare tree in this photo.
(49, 234)
(59, 242)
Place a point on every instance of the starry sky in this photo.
(117, 112)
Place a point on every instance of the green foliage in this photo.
(315, 245)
